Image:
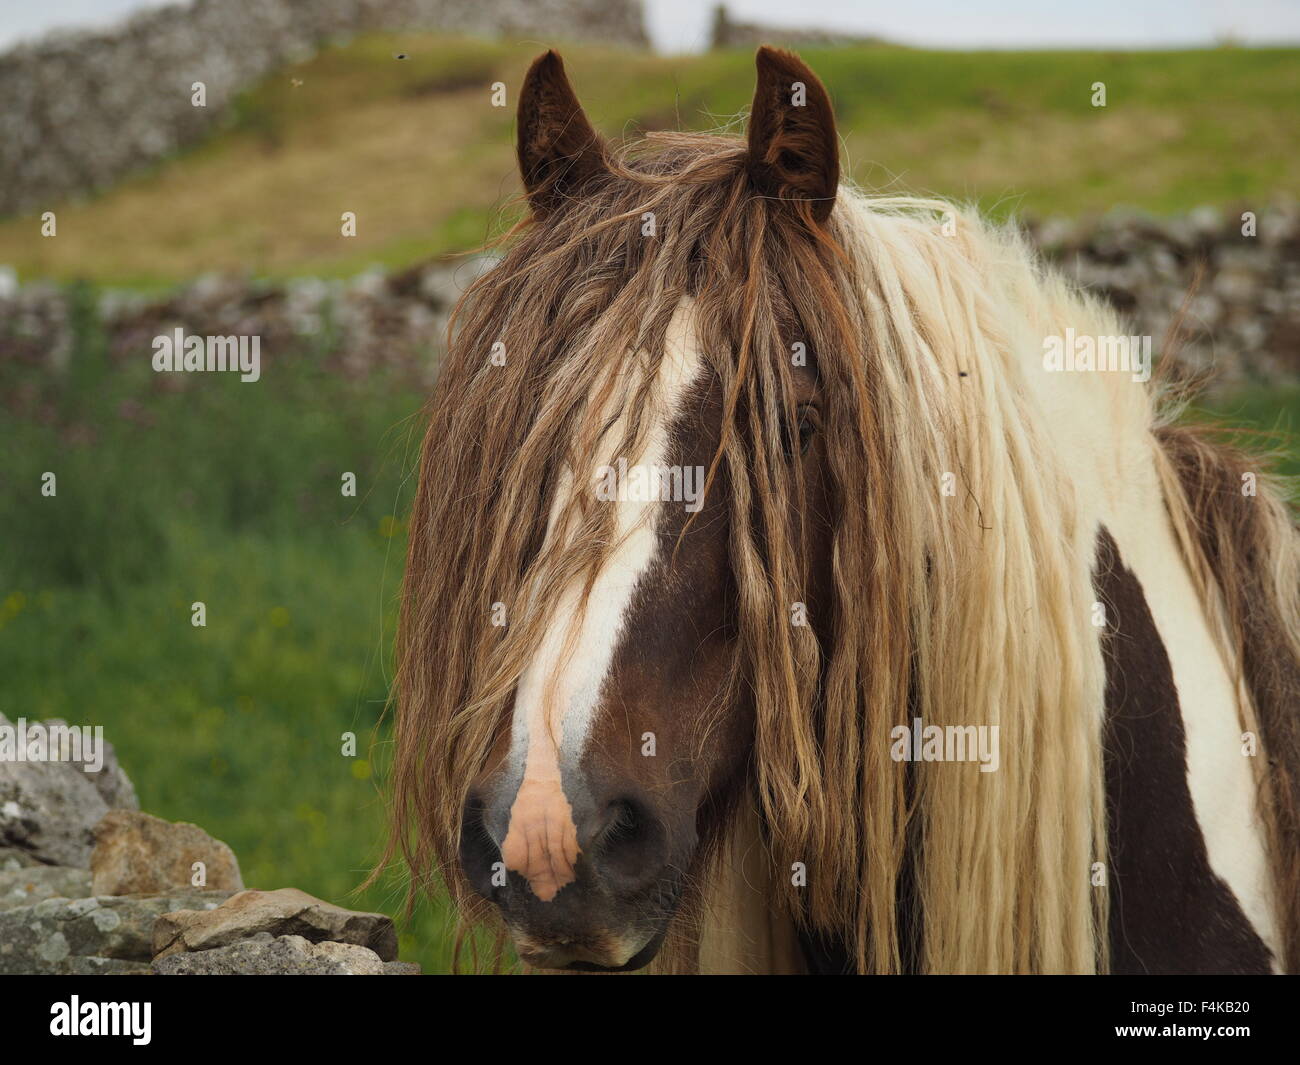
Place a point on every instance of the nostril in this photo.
(479, 852)
(630, 844)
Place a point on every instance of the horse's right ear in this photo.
(559, 151)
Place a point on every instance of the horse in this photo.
(776, 602)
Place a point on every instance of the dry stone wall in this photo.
(1242, 322)
(81, 109)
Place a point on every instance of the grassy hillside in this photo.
(416, 149)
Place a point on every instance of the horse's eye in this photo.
(806, 427)
(806, 430)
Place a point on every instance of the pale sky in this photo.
(683, 25)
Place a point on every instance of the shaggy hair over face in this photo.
(963, 609)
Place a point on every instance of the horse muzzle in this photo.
(602, 903)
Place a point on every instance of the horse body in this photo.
(676, 749)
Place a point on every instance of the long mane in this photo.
(968, 608)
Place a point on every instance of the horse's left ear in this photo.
(793, 150)
(559, 151)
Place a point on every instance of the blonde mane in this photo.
(963, 554)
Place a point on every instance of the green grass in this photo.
(1269, 424)
(416, 150)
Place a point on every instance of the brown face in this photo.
(668, 738)
(632, 731)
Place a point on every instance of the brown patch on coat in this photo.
(1169, 912)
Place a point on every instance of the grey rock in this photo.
(26, 887)
(137, 853)
(266, 955)
(90, 965)
(50, 808)
(287, 912)
(110, 780)
(1206, 221)
(15, 858)
(43, 937)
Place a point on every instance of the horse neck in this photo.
(1103, 434)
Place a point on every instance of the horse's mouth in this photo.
(586, 927)
(603, 952)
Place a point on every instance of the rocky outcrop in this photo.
(130, 904)
(138, 854)
(83, 109)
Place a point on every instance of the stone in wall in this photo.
(49, 809)
(139, 854)
(36, 883)
(287, 912)
(1241, 293)
(61, 935)
(266, 955)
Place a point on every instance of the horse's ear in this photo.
(558, 149)
(793, 150)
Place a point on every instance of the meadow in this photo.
(229, 494)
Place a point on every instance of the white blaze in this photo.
(558, 693)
